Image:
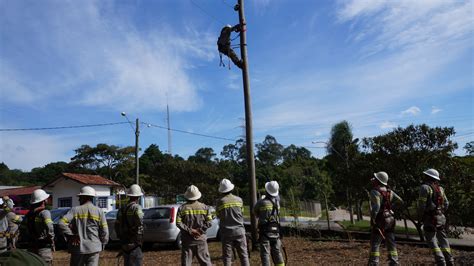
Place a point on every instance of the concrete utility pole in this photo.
(137, 148)
(248, 120)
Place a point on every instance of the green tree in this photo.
(405, 153)
(342, 149)
(105, 159)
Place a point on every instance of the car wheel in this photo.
(177, 242)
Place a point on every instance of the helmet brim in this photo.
(378, 179)
(226, 189)
(40, 200)
(432, 176)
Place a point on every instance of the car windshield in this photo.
(157, 213)
(111, 215)
(57, 213)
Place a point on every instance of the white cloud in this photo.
(105, 60)
(414, 110)
(388, 124)
(435, 110)
(28, 150)
(408, 24)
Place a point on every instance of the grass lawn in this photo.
(364, 226)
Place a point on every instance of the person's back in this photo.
(3, 229)
(194, 215)
(229, 211)
(88, 222)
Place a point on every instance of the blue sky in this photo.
(377, 64)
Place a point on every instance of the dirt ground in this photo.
(300, 252)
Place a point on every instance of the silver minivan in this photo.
(160, 226)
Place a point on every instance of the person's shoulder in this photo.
(237, 198)
(45, 212)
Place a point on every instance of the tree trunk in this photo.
(351, 211)
(359, 210)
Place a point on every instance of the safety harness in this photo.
(271, 227)
(384, 219)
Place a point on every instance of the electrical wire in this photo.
(61, 127)
(188, 132)
(207, 13)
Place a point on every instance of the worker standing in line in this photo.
(40, 226)
(267, 211)
(14, 220)
(3, 227)
(193, 219)
(432, 204)
(382, 219)
(129, 228)
(85, 229)
(229, 210)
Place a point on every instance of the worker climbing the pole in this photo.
(382, 219)
(267, 211)
(224, 44)
(432, 204)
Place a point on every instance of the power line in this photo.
(189, 132)
(62, 127)
(207, 13)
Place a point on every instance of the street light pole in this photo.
(137, 148)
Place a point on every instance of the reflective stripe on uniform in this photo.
(280, 264)
(87, 216)
(17, 218)
(230, 205)
(64, 220)
(209, 218)
(436, 249)
(104, 225)
(48, 221)
(193, 212)
(375, 254)
(393, 253)
(266, 208)
(448, 250)
(178, 219)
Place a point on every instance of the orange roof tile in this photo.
(91, 179)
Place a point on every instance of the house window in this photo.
(102, 202)
(65, 202)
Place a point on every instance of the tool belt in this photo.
(270, 230)
(435, 218)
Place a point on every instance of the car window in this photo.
(111, 215)
(157, 213)
(56, 213)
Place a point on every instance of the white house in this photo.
(64, 190)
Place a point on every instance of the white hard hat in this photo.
(134, 191)
(192, 193)
(432, 173)
(1, 201)
(87, 191)
(38, 196)
(228, 26)
(272, 188)
(226, 186)
(382, 177)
